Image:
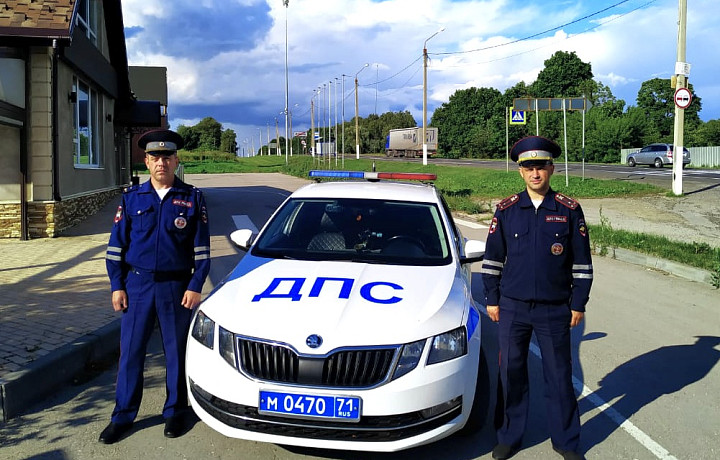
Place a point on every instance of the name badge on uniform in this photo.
(557, 249)
(180, 222)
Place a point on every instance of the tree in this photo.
(656, 99)
(564, 75)
(709, 133)
(191, 138)
(227, 141)
(209, 131)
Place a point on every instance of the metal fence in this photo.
(699, 156)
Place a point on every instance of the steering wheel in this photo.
(406, 239)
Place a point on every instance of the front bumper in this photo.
(423, 406)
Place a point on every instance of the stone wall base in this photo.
(46, 219)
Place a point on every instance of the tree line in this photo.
(473, 121)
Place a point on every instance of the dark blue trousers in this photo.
(150, 300)
(551, 324)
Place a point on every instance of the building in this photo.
(67, 113)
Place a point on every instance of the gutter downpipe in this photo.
(55, 134)
(24, 157)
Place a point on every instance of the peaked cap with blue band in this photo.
(160, 142)
(534, 150)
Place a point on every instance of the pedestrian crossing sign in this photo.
(517, 117)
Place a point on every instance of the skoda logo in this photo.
(313, 341)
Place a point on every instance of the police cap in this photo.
(160, 142)
(534, 151)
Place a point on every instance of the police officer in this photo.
(157, 259)
(537, 274)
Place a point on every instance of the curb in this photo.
(674, 268)
(43, 377)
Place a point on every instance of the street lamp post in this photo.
(260, 144)
(336, 121)
(287, 105)
(424, 130)
(343, 119)
(357, 124)
(277, 138)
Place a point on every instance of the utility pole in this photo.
(681, 73)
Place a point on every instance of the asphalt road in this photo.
(646, 371)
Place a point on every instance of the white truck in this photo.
(406, 142)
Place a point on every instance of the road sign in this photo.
(683, 98)
(517, 117)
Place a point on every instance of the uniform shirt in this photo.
(538, 255)
(151, 235)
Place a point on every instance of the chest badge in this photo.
(557, 249)
(180, 222)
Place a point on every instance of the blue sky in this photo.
(226, 58)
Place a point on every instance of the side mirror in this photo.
(474, 251)
(242, 238)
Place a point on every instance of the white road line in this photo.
(639, 435)
(469, 224)
(244, 221)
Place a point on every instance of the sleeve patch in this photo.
(493, 225)
(566, 201)
(118, 214)
(582, 228)
(507, 202)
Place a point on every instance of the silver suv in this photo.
(656, 155)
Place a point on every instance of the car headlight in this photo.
(409, 358)
(226, 340)
(204, 330)
(448, 346)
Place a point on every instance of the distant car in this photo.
(349, 323)
(656, 155)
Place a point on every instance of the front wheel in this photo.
(631, 162)
(481, 400)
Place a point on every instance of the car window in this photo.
(363, 230)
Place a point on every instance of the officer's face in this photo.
(162, 168)
(537, 178)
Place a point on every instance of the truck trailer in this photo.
(406, 142)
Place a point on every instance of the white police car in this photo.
(349, 323)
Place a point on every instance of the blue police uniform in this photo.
(537, 268)
(158, 249)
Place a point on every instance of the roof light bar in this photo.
(371, 175)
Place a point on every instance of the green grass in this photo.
(472, 190)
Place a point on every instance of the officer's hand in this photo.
(119, 300)
(494, 312)
(191, 299)
(577, 317)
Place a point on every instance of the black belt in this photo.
(173, 275)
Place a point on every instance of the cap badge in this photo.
(180, 222)
(557, 249)
(161, 143)
(533, 154)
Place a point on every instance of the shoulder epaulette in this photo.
(507, 202)
(131, 188)
(566, 201)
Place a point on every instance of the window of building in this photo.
(86, 139)
(87, 18)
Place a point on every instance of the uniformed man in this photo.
(537, 274)
(157, 259)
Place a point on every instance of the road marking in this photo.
(639, 435)
(466, 223)
(244, 221)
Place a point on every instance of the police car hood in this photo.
(347, 304)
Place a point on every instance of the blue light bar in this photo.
(337, 174)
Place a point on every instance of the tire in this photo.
(481, 400)
(631, 162)
(658, 163)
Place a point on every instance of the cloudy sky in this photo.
(227, 58)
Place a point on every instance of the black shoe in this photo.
(174, 426)
(503, 452)
(569, 454)
(113, 432)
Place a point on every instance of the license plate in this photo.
(340, 408)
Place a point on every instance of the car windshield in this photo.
(359, 230)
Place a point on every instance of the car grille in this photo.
(368, 428)
(347, 368)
